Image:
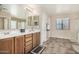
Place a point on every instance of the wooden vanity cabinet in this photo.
(31, 41)
(28, 43)
(7, 46)
(19, 45)
(36, 39)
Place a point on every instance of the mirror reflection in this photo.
(17, 18)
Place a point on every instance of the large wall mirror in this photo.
(33, 21)
(17, 23)
(21, 24)
(4, 23)
(20, 19)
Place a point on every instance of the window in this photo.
(59, 24)
(62, 24)
(66, 23)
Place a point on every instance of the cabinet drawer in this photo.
(34, 45)
(28, 35)
(28, 39)
(28, 43)
(28, 48)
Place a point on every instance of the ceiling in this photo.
(53, 9)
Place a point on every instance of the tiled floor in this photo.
(59, 46)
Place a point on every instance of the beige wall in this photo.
(67, 34)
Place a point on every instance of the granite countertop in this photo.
(14, 34)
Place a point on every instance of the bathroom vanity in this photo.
(19, 43)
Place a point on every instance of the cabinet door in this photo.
(28, 43)
(7, 46)
(38, 38)
(19, 45)
(34, 40)
(28, 48)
